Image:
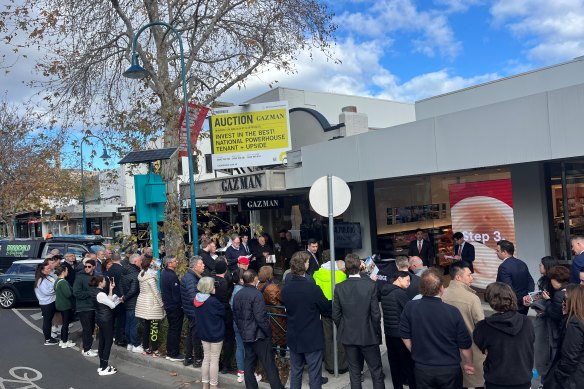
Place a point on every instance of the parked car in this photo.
(17, 284)
(12, 250)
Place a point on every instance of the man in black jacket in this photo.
(116, 273)
(206, 247)
(356, 314)
(170, 290)
(436, 335)
(131, 289)
(233, 252)
(393, 300)
(515, 273)
(305, 303)
(188, 291)
(223, 291)
(249, 313)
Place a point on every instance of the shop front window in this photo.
(477, 203)
(566, 183)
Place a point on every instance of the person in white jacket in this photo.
(149, 306)
(44, 289)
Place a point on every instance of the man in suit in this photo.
(305, 303)
(422, 248)
(207, 246)
(514, 272)
(358, 318)
(578, 261)
(312, 249)
(463, 250)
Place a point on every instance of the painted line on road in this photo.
(24, 319)
(37, 316)
(31, 325)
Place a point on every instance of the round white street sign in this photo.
(318, 196)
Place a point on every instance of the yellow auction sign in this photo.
(253, 135)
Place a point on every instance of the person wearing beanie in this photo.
(223, 291)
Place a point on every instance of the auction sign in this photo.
(251, 135)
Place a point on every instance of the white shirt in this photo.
(111, 302)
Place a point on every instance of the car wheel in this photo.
(7, 298)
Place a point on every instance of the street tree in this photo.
(84, 47)
(30, 172)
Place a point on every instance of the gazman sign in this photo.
(252, 135)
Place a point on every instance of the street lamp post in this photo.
(104, 156)
(135, 71)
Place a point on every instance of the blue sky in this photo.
(408, 50)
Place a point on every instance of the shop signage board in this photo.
(483, 212)
(255, 203)
(125, 209)
(250, 135)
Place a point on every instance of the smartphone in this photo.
(535, 295)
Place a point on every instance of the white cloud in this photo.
(552, 31)
(359, 73)
(385, 18)
(458, 5)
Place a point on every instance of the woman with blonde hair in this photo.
(149, 306)
(567, 371)
(209, 313)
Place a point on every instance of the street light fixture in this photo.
(104, 156)
(135, 71)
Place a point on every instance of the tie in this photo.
(420, 246)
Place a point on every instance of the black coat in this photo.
(130, 287)
(232, 254)
(209, 263)
(305, 303)
(312, 264)
(514, 272)
(249, 314)
(427, 254)
(393, 301)
(414, 289)
(467, 255)
(188, 291)
(567, 370)
(356, 312)
(116, 272)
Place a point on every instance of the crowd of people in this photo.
(436, 337)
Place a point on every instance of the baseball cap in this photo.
(243, 260)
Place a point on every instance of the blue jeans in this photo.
(240, 351)
(314, 362)
(132, 328)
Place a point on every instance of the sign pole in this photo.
(329, 186)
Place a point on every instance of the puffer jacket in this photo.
(210, 316)
(188, 291)
(249, 314)
(130, 287)
(149, 305)
(103, 313)
(393, 301)
(83, 293)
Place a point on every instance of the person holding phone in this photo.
(105, 303)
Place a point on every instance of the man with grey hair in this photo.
(170, 289)
(188, 290)
(413, 290)
(70, 263)
(417, 266)
(131, 289)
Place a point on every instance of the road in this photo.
(26, 363)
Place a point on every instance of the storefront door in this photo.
(566, 183)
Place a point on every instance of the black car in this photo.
(17, 284)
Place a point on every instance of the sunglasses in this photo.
(88, 267)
